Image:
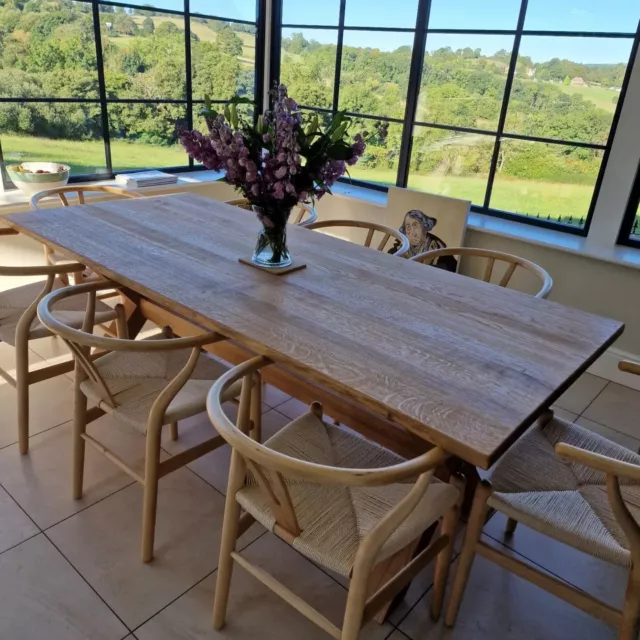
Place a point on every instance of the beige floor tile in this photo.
(254, 611)
(8, 360)
(41, 481)
(564, 414)
(611, 434)
(273, 397)
(293, 408)
(601, 579)
(103, 543)
(582, 393)
(50, 404)
(41, 596)
(500, 606)
(15, 525)
(214, 467)
(618, 408)
(53, 349)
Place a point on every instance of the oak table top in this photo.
(463, 364)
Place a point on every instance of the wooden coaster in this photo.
(280, 271)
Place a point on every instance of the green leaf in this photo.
(340, 151)
(234, 115)
(227, 112)
(260, 124)
(339, 132)
(240, 100)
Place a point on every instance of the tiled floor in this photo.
(71, 570)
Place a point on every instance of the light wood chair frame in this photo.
(62, 192)
(429, 257)
(24, 378)
(372, 227)
(301, 210)
(81, 342)
(626, 620)
(269, 468)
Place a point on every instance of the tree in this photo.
(148, 27)
(229, 42)
(167, 27)
(567, 81)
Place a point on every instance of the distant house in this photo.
(531, 72)
(578, 82)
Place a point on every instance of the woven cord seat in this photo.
(564, 500)
(14, 302)
(576, 487)
(335, 519)
(342, 501)
(136, 379)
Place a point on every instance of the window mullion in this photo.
(102, 91)
(413, 95)
(505, 101)
(338, 69)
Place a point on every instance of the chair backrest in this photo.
(400, 240)
(302, 214)
(63, 192)
(269, 467)
(512, 262)
(81, 341)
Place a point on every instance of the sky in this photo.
(561, 15)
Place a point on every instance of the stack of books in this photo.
(145, 179)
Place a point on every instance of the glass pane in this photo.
(223, 59)
(69, 133)
(548, 181)
(311, 13)
(567, 88)
(308, 65)
(47, 54)
(144, 136)
(450, 163)
(379, 164)
(635, 229)
(375, 72)
(471, 14)
(364, 13)
(463, 80)
(587, 15)
(173, 5)
(143, 54)
(231, 9)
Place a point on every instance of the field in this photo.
(204, 33)
(523, 196)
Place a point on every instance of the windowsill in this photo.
(548, 238)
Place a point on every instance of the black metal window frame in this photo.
(188, 102)
(629, 222)
(421, 32)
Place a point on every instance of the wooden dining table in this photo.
(444, 358)
(409, 355)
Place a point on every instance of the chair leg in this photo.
(255, 414)
(79, 428)
(630, 626)
(511, 527)
(174, 430)
(467, 555)
(356, 602)
(150, 506)
(230, 529)
(22, 395)
(443, 561)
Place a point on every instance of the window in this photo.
(511, 104)
(103, 86)
(630, 231)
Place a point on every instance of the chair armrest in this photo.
(42, 270)
(629, 367)
(607, 465)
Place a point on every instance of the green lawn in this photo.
(523, 196)
(520, 196)
(88, 156)
(600, 96)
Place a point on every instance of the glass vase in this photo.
(271, 249)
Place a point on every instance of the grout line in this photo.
(35, 535)
(11, 444)
(21, 508)
(55, 524)
(581, 415)
(193, 586)
(126, 626)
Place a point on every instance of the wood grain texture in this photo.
(463, 364)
